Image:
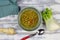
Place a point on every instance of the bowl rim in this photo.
(39, 18)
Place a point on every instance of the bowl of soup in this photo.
(29, 18)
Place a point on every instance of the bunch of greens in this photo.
(50, 22)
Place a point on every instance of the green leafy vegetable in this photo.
(51, 24)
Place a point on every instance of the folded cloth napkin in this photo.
(8, 7)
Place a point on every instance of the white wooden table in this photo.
(11, 21)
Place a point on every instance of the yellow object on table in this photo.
(9, 31)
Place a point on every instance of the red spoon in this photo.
(29, 36)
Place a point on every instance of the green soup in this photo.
(28, 18)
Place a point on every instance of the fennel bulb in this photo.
(50, 22)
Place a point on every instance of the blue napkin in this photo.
(8, 7)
